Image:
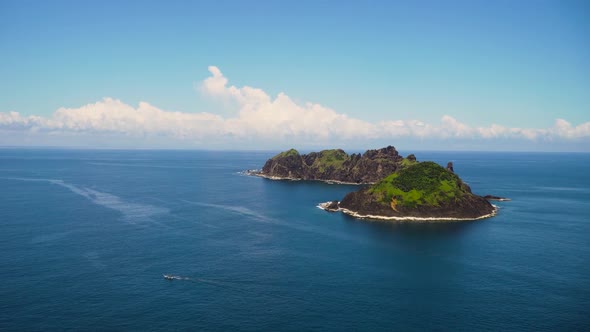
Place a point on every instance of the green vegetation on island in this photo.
(424, 183)
(419, 190)
(334, 165)
(288, 153)
(402, 188)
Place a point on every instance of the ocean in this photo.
(87, 235)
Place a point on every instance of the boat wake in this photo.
(216, 283)
(200, 280)
(171, 277)
(247, 288)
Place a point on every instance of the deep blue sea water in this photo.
(85, 237)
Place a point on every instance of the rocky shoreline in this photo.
(395, 188)
(328, 206)
(259, 173)
(335, 165)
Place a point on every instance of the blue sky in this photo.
(519, 65)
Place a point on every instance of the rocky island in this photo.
(400, 188)
(334, 166)
(422, 191)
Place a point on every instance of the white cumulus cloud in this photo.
(259, 116)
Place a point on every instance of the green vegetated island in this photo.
(396, 188)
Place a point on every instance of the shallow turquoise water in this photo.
(86, 236)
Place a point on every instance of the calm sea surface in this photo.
(85, 237)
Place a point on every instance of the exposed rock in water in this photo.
(450, 167)
(496, 198)
(335, 165)
(421, 191)
(331, 206)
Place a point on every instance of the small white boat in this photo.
(169, 277)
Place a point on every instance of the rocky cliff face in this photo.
(424, 190)
(336, 165)
(403, 188)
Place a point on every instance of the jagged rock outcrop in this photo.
(403, 188)
(421, 191)
(450, 167)
(332, 206)
(335, 165)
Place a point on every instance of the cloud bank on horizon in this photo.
(257, 117)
